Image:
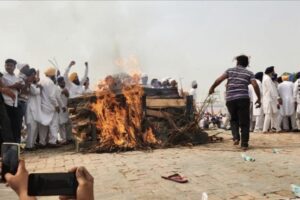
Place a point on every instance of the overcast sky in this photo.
(193, 40)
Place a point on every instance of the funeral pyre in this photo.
(124, 115)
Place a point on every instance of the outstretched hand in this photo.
(72, 63)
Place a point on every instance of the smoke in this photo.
(192, 40)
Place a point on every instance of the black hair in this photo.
(297, 75)
(30, 72)
(242, 60)
(11, 61)
(60, 79)
(279, 79)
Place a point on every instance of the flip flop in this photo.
(176, 178)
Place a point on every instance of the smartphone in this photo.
(10, 153)
(52, 184)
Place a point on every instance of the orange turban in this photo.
(51, 71)
(285, 78)
(73, 76)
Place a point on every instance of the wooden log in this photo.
(157, 113)
(164, 103)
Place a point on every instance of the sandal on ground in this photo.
(176, 178)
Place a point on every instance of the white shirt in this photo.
(286, 93)
(63, 102)
(33, 111)
(270, 95)
(8, 80)
(256, 111)
(75, 90)
(193, 92)
(48, 100)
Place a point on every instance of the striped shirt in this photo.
(238, 80)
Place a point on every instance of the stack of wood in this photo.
(83, 118)
(173, 118)
(170, 116)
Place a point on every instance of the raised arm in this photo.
(216, 83)
(66, 74)
(86, 72)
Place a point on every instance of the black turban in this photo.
(259, 76)
(269, 70)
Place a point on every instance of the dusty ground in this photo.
(217, 169)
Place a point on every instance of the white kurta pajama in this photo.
(270, 102)
(296, 93)
(63, 117)
(258, 113)
(75, 90)
(49, 116)
(33, 115)
(287, 109)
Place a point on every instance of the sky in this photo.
(185, 40)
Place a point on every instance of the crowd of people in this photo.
(262, 102)
(38, 102)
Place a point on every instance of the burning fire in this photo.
(121, 117)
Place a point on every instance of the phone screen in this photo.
(52, 184)
(10, 153)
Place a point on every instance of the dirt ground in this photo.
(217, 169)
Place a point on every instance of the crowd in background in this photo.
(39, 102)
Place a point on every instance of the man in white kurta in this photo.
(258, 114)
(296, 93)
(287, 110)
(33, 115)
(64, 120)
(74, 86)
(193, 91)
(50, 109)
(270, 101)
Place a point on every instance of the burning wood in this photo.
(126, 116)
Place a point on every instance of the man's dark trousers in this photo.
(13, 114)
(239, 110)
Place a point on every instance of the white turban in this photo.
(194, 83)
(21, 65)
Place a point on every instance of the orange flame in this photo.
(121, 123)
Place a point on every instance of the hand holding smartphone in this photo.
(10, 153)
(52, 184)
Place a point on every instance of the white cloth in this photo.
(63, 132)
(193, 92)
(296, 93)
(75, 90)
(52, 129)
(48, 101)
(87, 91)
(32, 131)
(256, 111)
(285, 90)
(63, 102)
(8, 80)
(33, 111)
(270, 96)
(271, 119)
(259, 123)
